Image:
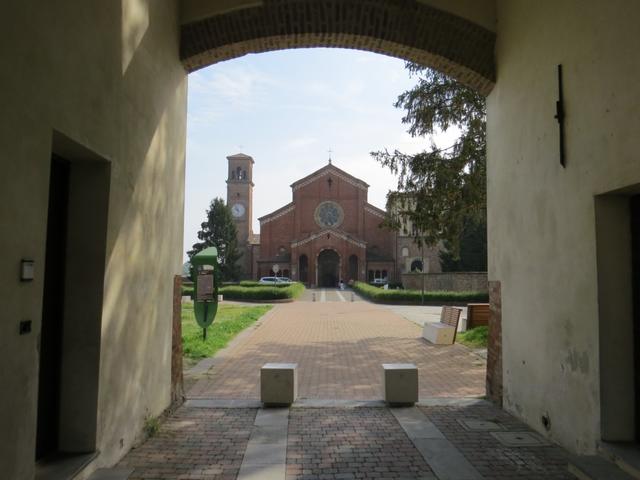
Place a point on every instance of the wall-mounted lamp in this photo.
(27, 272)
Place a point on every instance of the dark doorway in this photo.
(328, 262)
(353, 267)
(635, 269)
(303, 268)
(53, 311)
(74, 269)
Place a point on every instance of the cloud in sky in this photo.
(287, 109)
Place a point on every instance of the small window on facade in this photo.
(405, 252)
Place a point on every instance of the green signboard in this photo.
(204, 273)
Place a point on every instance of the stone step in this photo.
(116, 473)
(594, 467)
(625, 455)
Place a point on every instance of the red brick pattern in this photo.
(339, 348)
(492, 459)
(177, 388)
(331, 443)
(194, 444)
(494, 350)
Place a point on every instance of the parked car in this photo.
(275, 280)
(380, 281)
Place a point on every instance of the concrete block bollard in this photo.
(352, 297)
(278, 384)
(400, 383)
(313, 297)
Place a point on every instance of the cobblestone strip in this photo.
(266, 452)
(443, 457)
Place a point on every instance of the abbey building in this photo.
(327, 233)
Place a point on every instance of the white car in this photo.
(380, 281)
(274, 280)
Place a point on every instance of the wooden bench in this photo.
(443, 332)
(477, 315)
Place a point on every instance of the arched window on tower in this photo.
(416, 266)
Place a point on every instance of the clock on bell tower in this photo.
(240, 199)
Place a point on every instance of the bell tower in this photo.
(240, 200)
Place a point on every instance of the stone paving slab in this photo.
(339, 347)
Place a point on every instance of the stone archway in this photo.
(406, 29)
(328, 268)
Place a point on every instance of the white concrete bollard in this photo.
(400, 383)
(313, 297)
(220, 298)
(278, 383)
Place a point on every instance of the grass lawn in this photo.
(230, 320)
(474, 338)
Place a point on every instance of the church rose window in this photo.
(329, 214)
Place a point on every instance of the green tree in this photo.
(473, 249)
(219, 231)
(439, 189)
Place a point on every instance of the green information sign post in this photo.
(204, 274)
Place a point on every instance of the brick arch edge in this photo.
(401, 28)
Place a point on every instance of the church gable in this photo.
(327, 172)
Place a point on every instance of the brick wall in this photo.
(403, 28)
(177, 389)
(494, 351)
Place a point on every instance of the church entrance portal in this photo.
(328, 263)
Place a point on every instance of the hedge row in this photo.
(262, 292)
(253, 283)
(380, 295)
(187, 290)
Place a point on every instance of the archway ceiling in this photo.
(405, 29)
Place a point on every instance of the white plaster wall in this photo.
(106, 74)
(542, 243)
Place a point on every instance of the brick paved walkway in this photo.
(492, 459)
(339, 347)
(194, 443)
(337, 443)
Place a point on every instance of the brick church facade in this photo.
(327, 233)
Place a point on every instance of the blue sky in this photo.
(287, 109)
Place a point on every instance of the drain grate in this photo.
(474, 425)
(519, 439)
